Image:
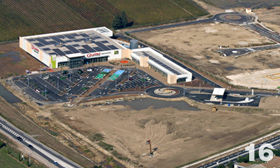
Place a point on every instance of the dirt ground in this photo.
(181, 136)
(196, 43)
(269, 17)
(264, 79)
(15, 61)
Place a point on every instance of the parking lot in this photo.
(66, 85)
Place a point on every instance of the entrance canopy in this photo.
(218, 91)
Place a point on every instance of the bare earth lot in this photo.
(181, 136)
(270, 17)
(14, 61)
(195, 44)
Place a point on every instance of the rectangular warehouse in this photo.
(73, 48)
(147, 57)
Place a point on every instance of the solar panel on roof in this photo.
(74, 34)
(41, 40)
(74, 50)
(58, 51)
(69, 36)
(112, 47)
(68, 52)
(39, 44)
(45, 38)
(97, 49)
(88, 48)
(56, 39)
(83, 51)
(52, 42)
(46, 49)
(75, 45)
(31, 39)
(84, 35)
(78, 40)
(162, 64)
(102, 46)
(60, 36)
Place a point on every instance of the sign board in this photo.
(35, 51)
(53, 57)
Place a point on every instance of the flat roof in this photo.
(74, 42)
(218, 91)
(162, 61)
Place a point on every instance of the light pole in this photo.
(27, 79)
(57, 83)
(45, 91)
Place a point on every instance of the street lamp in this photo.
(57, 83)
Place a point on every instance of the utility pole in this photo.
(149, 143)
(184, 90)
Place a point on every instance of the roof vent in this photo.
(58, 45)
(88, 40)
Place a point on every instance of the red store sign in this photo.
(92, 55)
(36, 50)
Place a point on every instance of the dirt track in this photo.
(180, 136)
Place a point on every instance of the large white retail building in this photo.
(78, 47)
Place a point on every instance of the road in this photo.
(171, 25)
(233, 157)
(44, 151)
(231, 97)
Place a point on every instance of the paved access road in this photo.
(47, 153)
(231, 97)
(234, 17)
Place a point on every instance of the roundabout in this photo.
(237, 18)
(165, 92)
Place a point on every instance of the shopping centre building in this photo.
(78, 47)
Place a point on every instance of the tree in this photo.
(230, 165)
(221, 166)
(117, 22)
(120, 21)
(124, 19)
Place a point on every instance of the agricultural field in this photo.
(157, 11)
(98, 12)
(21, 18)
(244, 3)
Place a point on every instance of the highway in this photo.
(233, 157)
(44, 151)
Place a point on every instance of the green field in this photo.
(7, 161)
(157, 11)
(21, 17)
